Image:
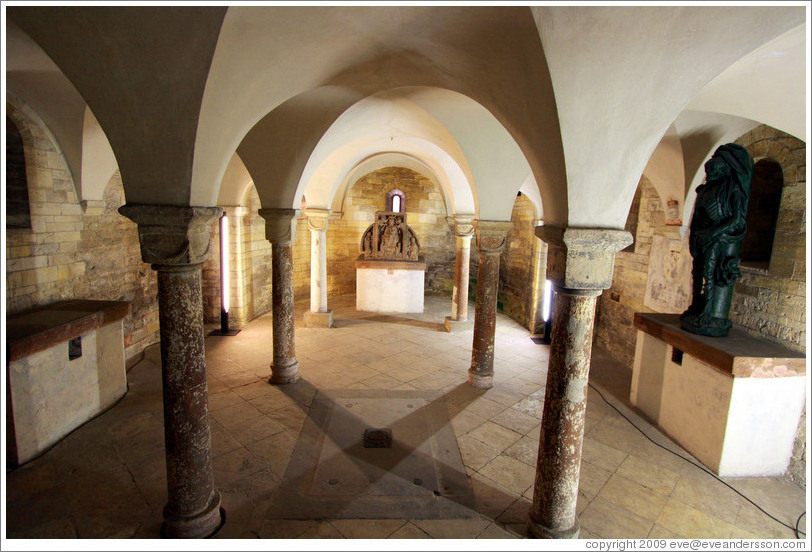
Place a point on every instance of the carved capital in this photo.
(317, 219)
(280, 225)
(582, 258)
(491, 235)
(171, 235)
(463, 225)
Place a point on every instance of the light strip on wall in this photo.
(224, 268)
(548, 295)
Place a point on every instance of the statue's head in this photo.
(730, 160)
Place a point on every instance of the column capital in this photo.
(280, 225)
(582, 258)
(317, 219)
(462, 225)
(173, 235)
(491, 235)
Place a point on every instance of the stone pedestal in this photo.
(733, 402)
(69, 356)
(318, 316)
(491, 241)
(458, 321)
(176, 241)
(580, 264)
(389, 286)
(280, 230)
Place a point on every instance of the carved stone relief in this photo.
(390, 238)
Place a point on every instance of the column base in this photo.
(480, 382)
(318, 319)
(201, 525)
(541, 532)
(281, 375)
(456, 326)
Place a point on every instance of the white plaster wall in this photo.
(768, 85)
(763, 419)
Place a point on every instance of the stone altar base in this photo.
(733, 402)
(389, 286)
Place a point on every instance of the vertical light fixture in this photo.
(546, 311)
(225, 286)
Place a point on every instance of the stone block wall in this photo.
(76, 250)
(614, 324)
(517, 265)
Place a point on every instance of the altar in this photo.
(733, 402)
(389, 273)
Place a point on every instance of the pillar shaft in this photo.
(280, 230)
(285, 367)
(189, 475)
(580, 264)
(562, 428)
(318, 270)
(491, 240)
(459, 299)
(176, 241)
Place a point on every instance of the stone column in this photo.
(458, 321)
(280, 230)
(318, 316)
(176, 241)
(580, 264)
(491, 240)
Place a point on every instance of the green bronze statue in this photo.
(717, 229)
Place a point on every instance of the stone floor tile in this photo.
(608, 521)
(516, 420)
(752, 521)
(494, 531)
(510, 473)
(475, 454)
(492, 498)
(660, 532)
(532, 405)
(368, 528)
(322, 530)
(633, 497)
(704, 492)
(525, 449)
(592, 479)
(692, 523)
(286, 528)
(495, 435)
(409, 531)
(602, 455)
(485, 407)
(452, 528)
(649, 475)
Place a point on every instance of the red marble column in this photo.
(280, 230)
(580, 264)
(556, 490)
(176, 241)
(491, 240)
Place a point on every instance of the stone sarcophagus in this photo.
(390, 238)
(389, 272)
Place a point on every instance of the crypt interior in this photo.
(398, 272)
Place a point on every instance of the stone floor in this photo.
(107, 479)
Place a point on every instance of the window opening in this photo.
(396, 201)
(18, 214)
